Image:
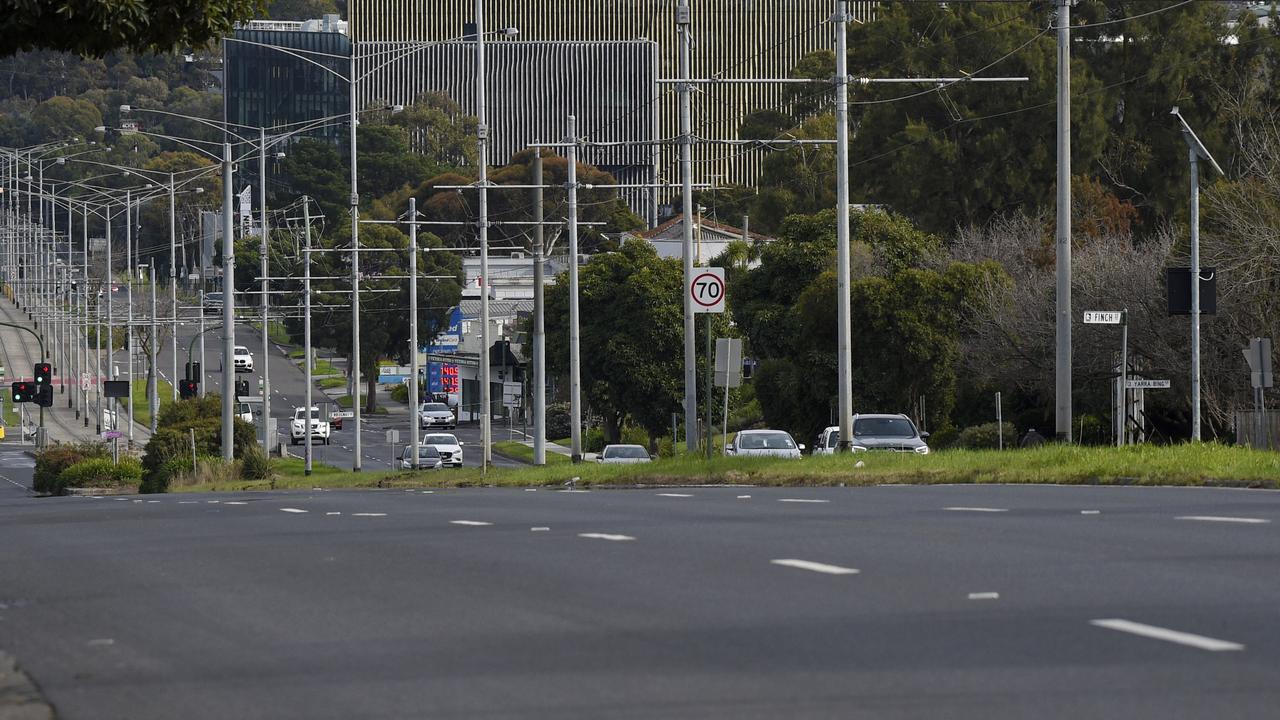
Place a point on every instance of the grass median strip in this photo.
(1205, 464)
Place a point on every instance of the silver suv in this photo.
(895, 433)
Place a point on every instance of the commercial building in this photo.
(733, 39)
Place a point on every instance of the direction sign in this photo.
(1102, 317)
(707, 290)
(1144, 384)
(112, 435)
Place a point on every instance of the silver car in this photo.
(764, 443)
(428, 458)
(436, 415)
(893, 433)
(623, 455)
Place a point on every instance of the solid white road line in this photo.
(368, 514)
(815, 566)
(1215, 518)
(1158, 633)
(976, 509)
(984, 596)
(679, 495)
(475, 523)
(292, 510)
(802, 500)
(605, 536)
(235, 502)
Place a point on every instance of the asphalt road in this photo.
(890, 602)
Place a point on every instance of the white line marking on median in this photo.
(333, 513)
(475, 523)
(976, 509)
(680, 495)
(368, 514)
(605, 536)
(815, 566)
(984, 596)
(1215, 518)
(292, 510)
(802, 500)
(1158, 633)
(744, 497)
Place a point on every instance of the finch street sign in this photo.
(1102, 317)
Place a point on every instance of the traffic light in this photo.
(193, 371)
(44, 374)
(187, 389)
(44, 396)
(23, 391)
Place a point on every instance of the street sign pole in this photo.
(1124, 378)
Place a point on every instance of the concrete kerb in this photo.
(20, 699)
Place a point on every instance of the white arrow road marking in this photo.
(292, 510)
(1174, 636)
(605, 536)
(474, 523)
(1215, 518)
(815, 566)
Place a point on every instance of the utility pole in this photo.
(414, 422)
(355, 273)
(539, 328)
(575, 360)
(173, 284)
(263, 250)
(686, 192)
(128, 285)
(307, 358)
(153, 380)
(1062, 366)
(844, 369)
(228, 308)
(482, 182)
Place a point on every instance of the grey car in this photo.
(894, 433)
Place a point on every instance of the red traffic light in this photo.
(187, 388)
(44, 373)
(23, 391)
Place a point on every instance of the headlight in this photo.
(922, 450)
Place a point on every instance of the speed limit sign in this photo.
(707, 290)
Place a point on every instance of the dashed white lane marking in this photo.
(575, 491)
(474, 523)
(815, 566)
(605, 536)
(188, 502)
(1223, 519)
(744, 497)
(679, 495)
(539, 529)
(333, 513)
(984, 596)
(531, 489)
(101, 642)
(292, 510)
(368, 514)
(235, 502)
(976, 509)
(213, 502)
(149, 502)
(802, 500)
(428, 492)
(1174, 636)
(1090, 512)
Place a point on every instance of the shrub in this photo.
(172, 439)
(254, 464)
(987, 437)
(101, 473)
(170, 473)
(593, 440)
(50, 463)
(559, 421)
(400, 393)
(947, 438)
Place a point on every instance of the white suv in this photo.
(298, 427)
(243, 359)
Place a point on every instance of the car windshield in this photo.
(626, 451)
(300, 413)
(766, 441)
(884, 427)
(440, 440)
(424, 451)
(241, 351)
(435, 407)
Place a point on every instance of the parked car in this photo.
(298, 428)
(244, 411)
(428, 458)
(213, 300)
(436, 415)
(894, 433)
(449, 447)
(243, 359)
(764, 443)
(624, 455)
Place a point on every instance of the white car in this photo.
(243, 359)
(298, 426)
(764, 443)
(428, 458)
(623, 455)
(436, 415)
(449, 447)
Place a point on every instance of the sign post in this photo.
(706, 292)
(728, 374)
(1258, 355)
(1121, 318)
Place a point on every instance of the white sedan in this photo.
(623, 455)
(449, 447)
(764, 443)
(436, 414)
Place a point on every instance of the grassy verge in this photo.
(324, 367)
(11, 417)
(1207, 464)
(142, 408)
(297, 354)
(330, 383)
(524, 453)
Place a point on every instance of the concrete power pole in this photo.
(686, 197)
(264, 249)
(228, 307)
(575, 364)
(308, 358)
(414, 422)
(1062, 366)
(482, 182)
(354, 370)
(539, 327)
(844, 311)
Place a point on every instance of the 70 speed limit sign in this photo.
(707, 290)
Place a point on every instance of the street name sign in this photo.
(1102, 317)
(1145, 384)
(707, 290)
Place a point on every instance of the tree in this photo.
(632, 331)
(59, 118)
(97, 27)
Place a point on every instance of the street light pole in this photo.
(355, 272)
(307, 357)
(482, 181)
(1062, 365)
(575, 365)
(844, 370)
(686, 198)
(263, 250)
(153, 380)
(128, 285)
(413, 331)
(228, 307)
(173, 285)
(539, 330)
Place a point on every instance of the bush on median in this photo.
(101, 473)
(51, 461)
